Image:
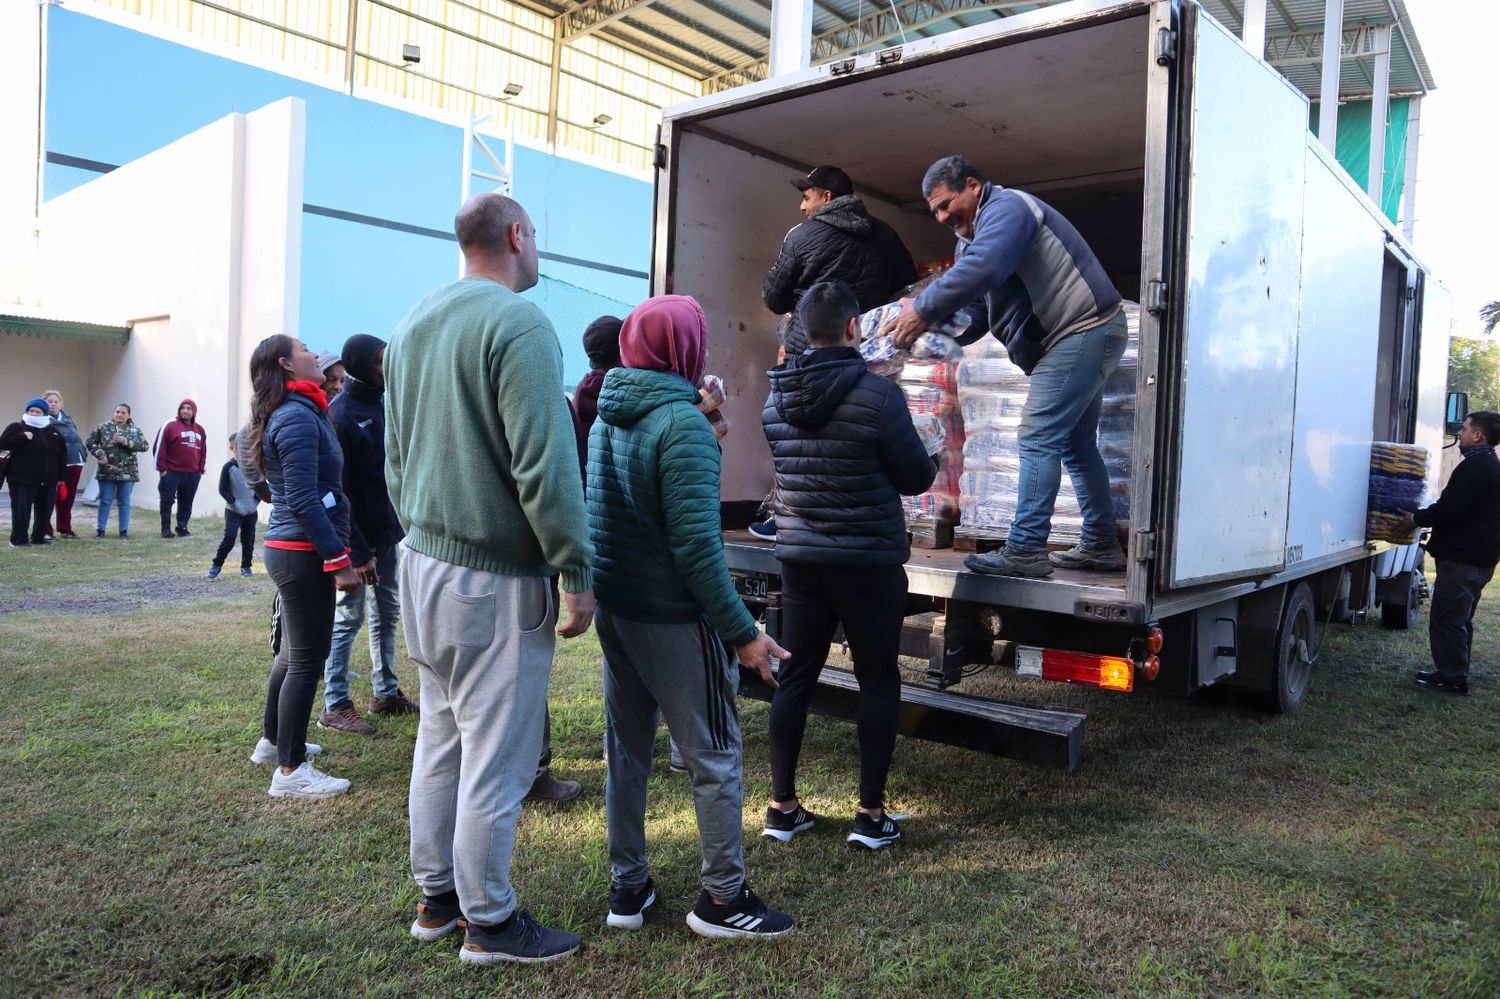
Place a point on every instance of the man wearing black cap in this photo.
(840, 241)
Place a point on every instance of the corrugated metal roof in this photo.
(16, 323)
(727, 41)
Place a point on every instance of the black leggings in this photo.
(869, 601)
(307, 601)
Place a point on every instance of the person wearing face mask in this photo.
(1024, 274)
(114, 445)
(181, 457)
(358, 416)
(37, 455)
(67, 482)
(293, 446)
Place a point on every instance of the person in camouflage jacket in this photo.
(115, 444)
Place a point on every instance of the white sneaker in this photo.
(307, 781)
(265, 751)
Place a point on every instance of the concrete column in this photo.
(791, 36)
(1254, 32)
(1379, 108)
(1328, 94)
(22, 152)
(1409, 186)
(554, 82)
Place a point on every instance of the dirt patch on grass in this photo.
(118, 596)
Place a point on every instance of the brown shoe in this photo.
(549, 788)
(397, 704)
(345, 719)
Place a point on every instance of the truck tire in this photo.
(1401, 615)
(1291, 656)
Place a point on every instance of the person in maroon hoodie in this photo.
(181, 451)
(601, 342)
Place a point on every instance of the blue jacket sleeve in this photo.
(1003, 230)
(688, 470)
(911, 469)
(295, 440)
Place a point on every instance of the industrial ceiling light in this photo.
(602, 119)
(512, 90)
(411, 54)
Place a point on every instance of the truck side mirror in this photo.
(1458, 412)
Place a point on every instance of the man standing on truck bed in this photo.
(1465, 544)
(840, 241)
(1035, 284)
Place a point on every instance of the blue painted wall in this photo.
(114, 95)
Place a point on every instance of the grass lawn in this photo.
(1201, 848)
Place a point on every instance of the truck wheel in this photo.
(1292, 654)
(1402, 615)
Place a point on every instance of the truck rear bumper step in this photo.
(1032, 735)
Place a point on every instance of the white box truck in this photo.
(1285, 325)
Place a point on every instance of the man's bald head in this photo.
(498, 240)
(482, 223)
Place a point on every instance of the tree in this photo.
(1474, 367)
(1489, 314)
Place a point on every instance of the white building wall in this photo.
(197, 247)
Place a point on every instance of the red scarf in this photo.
(311, 390)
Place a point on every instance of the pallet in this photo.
(929, 535)
(974, 544)
(979, 544)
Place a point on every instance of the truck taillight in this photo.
(1109, 672)
(1150, 668)
(1155, 639)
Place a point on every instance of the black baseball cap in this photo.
(829, 178)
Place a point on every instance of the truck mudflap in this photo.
(1000, 728)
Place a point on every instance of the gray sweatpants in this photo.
(683, 672)
(482, 644)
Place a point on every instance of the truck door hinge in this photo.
(1145, 546)
(1166, 46)
(1156, 297)
(659, 158)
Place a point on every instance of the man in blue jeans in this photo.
(1024, 274)
(358, 416)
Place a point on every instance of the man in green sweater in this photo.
(482, 466)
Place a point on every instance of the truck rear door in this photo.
(1229, 363)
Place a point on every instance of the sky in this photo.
(1457, 227)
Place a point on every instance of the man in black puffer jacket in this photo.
(845, 452)
(840, 241)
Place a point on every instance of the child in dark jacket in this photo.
(240, 506)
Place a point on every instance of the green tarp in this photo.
(1352, 147)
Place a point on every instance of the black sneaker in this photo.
(874, 834)
(183, 532)
(519, 938)
(167, 535)
(1433, 680)
(786, 825)
(747, 916)
(765, 530)
(436, 918)
(627, 906)
(124, 535)
(98, 535)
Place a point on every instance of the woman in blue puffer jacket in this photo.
(294, 448)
